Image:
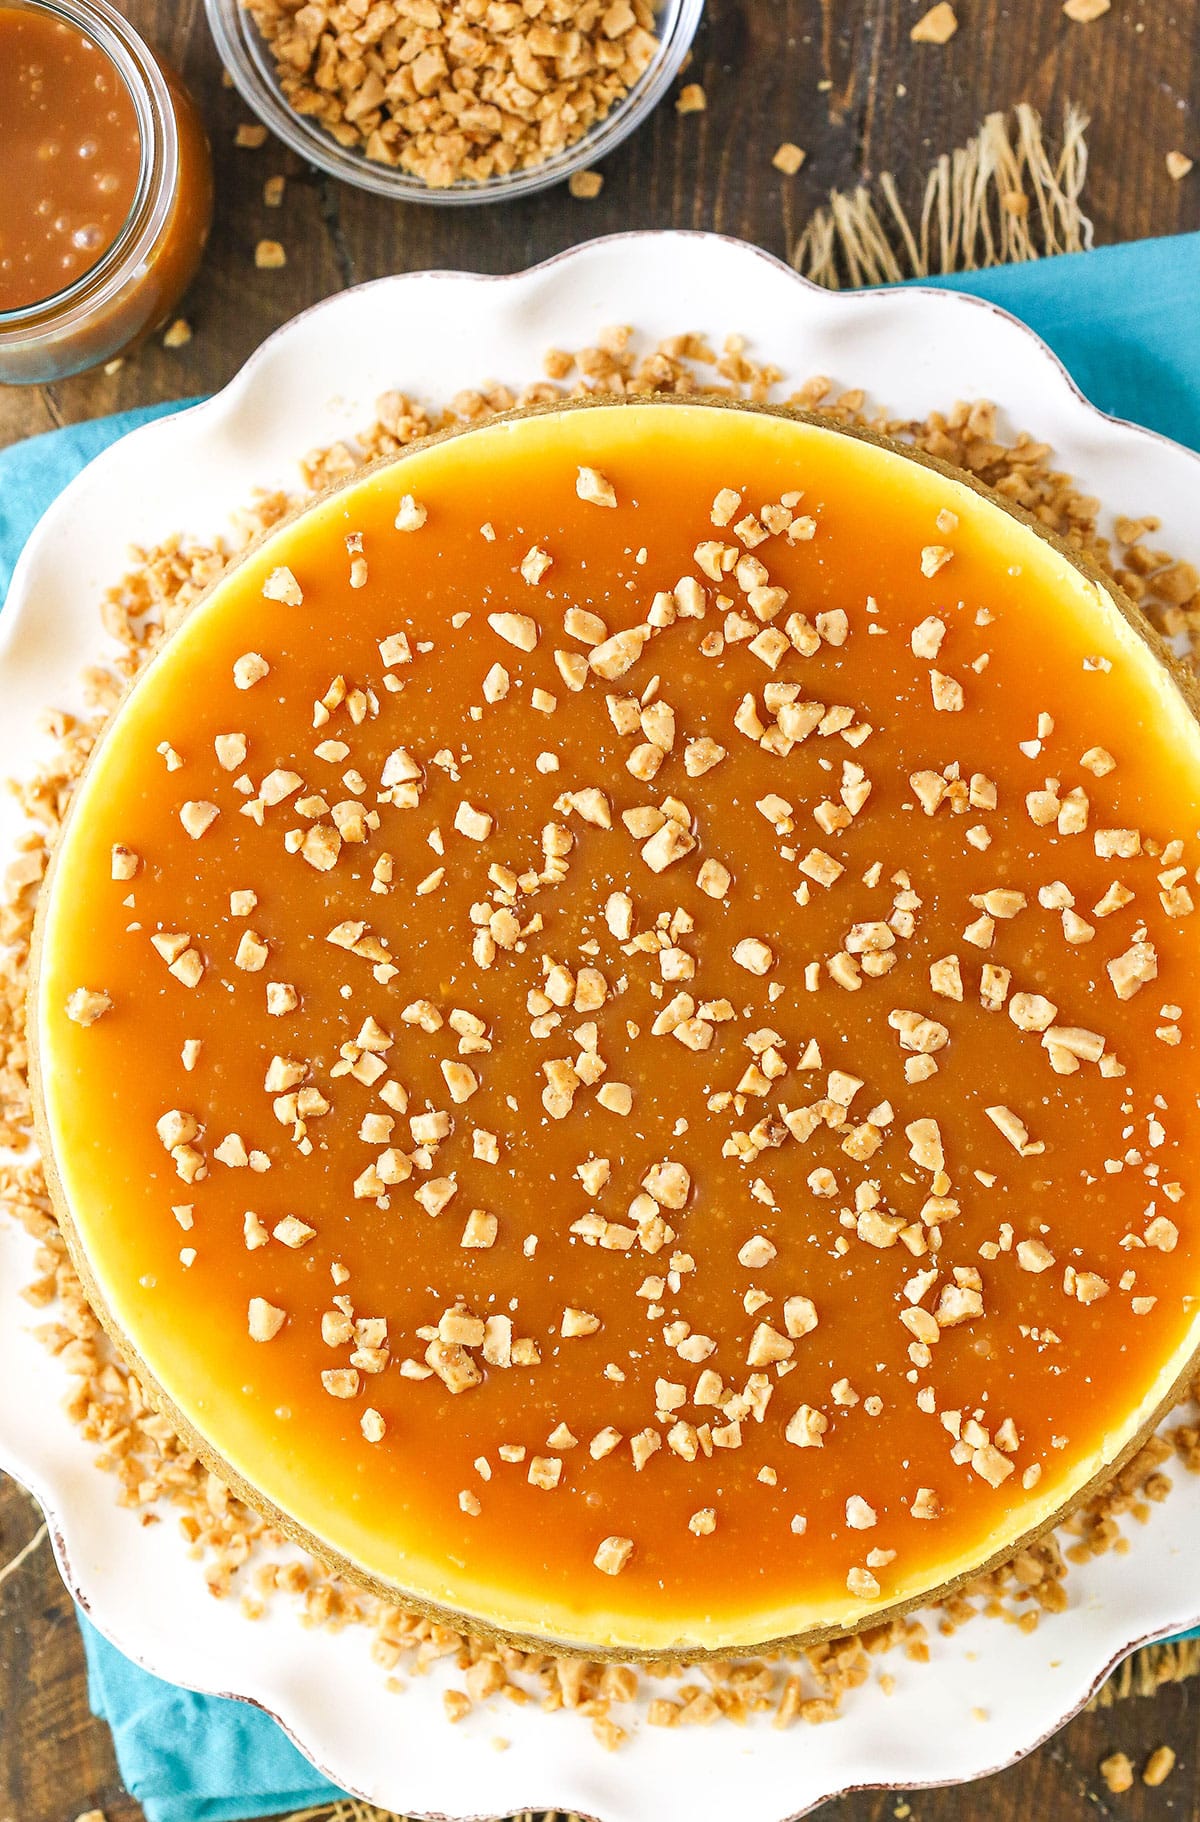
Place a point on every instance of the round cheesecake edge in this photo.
(853, 1614)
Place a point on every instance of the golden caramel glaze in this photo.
(717, 1259)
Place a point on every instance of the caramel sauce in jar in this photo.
(71, 153)
(108, 190)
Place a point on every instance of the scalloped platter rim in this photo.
(991, 1692)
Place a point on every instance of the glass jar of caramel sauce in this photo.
(105, 188)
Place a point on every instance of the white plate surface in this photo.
(316, 379)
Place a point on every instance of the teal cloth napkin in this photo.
(195, 1758)
(1123, 322)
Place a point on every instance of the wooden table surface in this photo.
(842, 79)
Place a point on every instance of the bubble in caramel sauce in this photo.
(70, 151)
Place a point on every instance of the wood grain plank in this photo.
(842, 79)
(56, 1759)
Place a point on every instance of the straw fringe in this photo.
(1148, 1669)
(22, 1556)
(1001, 199)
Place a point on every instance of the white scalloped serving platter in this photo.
(991, 1692)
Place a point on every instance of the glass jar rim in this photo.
(149, 209)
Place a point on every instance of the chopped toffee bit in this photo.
(516, 629)
(265, 1320)
(585, 186)
(934, 557)
(788, 158)
(1116, 1770)
(806, 1428)
(1130, 972)
(1159, 1766)
(534, 565)
(410, 516)
(612, 1554)
(86, 1005)
(197, 818)
(250, 669)
(281, 585)
(592, 486)
(937, 26)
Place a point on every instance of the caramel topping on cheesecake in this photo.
(649, 967)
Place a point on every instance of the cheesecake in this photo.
(613, 1023)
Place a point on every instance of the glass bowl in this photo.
(249, 63)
